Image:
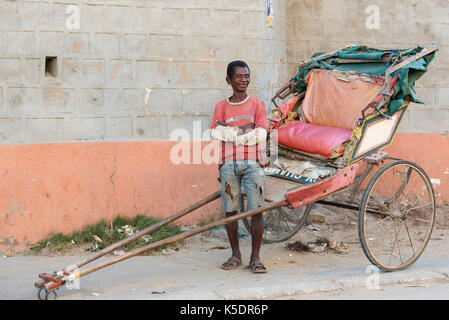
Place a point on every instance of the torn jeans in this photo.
(235, 173)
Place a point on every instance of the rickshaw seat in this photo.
(332, 105)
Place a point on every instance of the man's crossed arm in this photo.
(245, 135)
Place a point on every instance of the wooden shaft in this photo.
(184, 235)
(150, 229)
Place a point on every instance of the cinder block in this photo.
(65, 129)
(434, 10)
(427, 95)
(405, 33)
(134, 45)
(119, 19)
(12, 130)
(92, 18)
(30, 69)
(10, 70)
(149, 101)
(422, 121)
(435, 77)
(112, 103)
(3, 43)
(120, 72)
(21, 43)
(443, 97)
(105, 45)
(197, 48)
(222, 48)
(148, 19)
(252, 23)
(92, 102)
(46, 16)
(56, 101)
(162, 100)
(306, 30)
(196, 126)
(204, 101)
(24, 101)
(218, 74)
(119, 128)
(151, 127)
(8, 17)
(197, 21)
(225, 22)
(49, 43)
(166, 47)
(249, 4)
(167, 18)
(154, 74)
(160, 19)
(71, 71)
(76, 43)
(190, 74)
(93, 73)
(29, 14)
(131, 102)
(84, 73)
(1, 101)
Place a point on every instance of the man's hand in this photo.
(220, 123)
(246, 128)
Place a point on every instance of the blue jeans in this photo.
(232, 175)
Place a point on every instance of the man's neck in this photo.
(238, 97)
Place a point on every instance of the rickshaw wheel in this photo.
(397, 215)
(282, 223)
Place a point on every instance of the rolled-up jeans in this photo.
(235, 173)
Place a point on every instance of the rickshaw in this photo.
(337, 114)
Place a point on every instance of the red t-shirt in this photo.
(249, 111)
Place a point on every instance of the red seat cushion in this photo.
(325, 141)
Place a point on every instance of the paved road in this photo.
(193, 274)
(425, 290)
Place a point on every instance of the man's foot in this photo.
(257, 267)
(232, 263)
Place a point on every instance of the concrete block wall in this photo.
(324, 25)
(129, 70)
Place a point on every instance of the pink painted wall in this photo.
(61, 187)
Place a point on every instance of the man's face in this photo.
(240, 79)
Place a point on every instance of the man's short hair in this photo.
(233, 65)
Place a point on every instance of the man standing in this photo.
(240, 122)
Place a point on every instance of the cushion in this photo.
(336, 99)
(325, 141)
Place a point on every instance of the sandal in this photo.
(257, 267)
(232, 263)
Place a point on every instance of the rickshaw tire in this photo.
(363, 205)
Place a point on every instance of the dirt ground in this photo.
(340, 225)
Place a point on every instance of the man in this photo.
(240, 122)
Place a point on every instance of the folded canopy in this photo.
(386, 63)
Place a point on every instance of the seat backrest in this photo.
(336, 98)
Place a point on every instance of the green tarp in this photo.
(373, 62)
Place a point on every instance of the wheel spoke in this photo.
(420, 206)
(376, 223)
(386, 187)
(286, 222)
(409, 238)
(380, 201)
(418, 219)
(397, 244)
